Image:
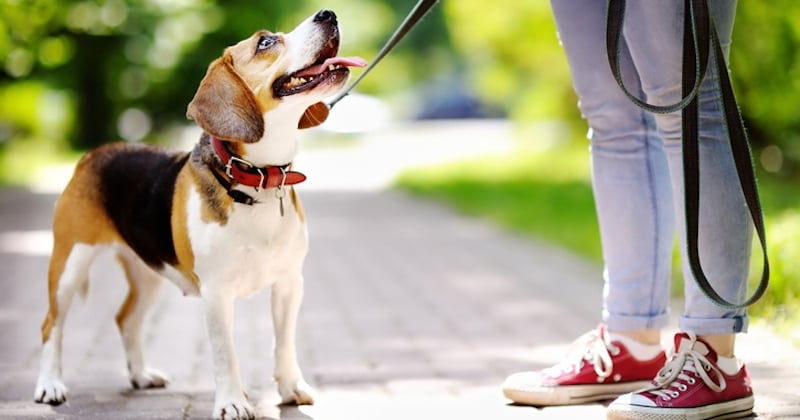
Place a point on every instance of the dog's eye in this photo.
(265, 42)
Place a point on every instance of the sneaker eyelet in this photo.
(691, 381)
(675, 394)
(683, 387)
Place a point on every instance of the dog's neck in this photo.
(279, 144)
(260, 165)
(231, 171)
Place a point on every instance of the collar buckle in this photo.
(234, 159)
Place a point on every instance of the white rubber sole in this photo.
(570, 394)
(733, 409)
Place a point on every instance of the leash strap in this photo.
(422, 7)
(700, 40)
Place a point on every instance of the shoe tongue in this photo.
(685, 342)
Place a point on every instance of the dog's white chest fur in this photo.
(254, 248)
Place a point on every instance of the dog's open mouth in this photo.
(326, 67)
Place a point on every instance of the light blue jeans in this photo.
(637, 169)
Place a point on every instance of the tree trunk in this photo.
(95, 114)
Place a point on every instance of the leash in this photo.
(700, 39)
(422, 7)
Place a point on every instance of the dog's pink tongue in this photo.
(341, 61)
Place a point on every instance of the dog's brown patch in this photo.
(216, 203)
(180, 229)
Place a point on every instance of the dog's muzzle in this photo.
(326, 69)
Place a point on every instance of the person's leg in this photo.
(701, 380)
(726, 232)
(629, 177)
(633, 203)
(725, 229)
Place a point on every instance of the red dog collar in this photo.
(243, 172)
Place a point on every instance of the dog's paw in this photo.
(50, 391)
(234, 409)
(299, 393)
(148, 378)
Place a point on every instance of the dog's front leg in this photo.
(230, 401)
(286, 298)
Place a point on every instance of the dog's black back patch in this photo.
(137, 183)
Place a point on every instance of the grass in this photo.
(546, 194)
(527, 192)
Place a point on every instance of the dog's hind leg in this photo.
(68, 273)
(286, 297)
(144, 287)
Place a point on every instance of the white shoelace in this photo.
(673, 378)
(591, 347)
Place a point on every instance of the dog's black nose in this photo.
(325, 15)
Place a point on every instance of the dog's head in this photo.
(267, 71)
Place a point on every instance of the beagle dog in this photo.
(221, 222)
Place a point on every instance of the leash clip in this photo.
(283, 180)
(280, 193)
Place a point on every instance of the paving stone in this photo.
(411, 311)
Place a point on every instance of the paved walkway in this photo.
(411, 312)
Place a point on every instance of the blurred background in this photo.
(75, 74)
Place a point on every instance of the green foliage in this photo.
(513, 56)
(514, 59)
(130, 67)
(765, 64)
(109, 55)
(543, 194)
(781, 201)
(113, 59)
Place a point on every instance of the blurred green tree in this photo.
(104, 56)
(515, 60)
(129, 67)
(512, 52)
(91, 71)
(765, 68)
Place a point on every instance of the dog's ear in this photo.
(224, 106)
(315, 115)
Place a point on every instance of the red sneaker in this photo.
(690, 386)
(595, 369)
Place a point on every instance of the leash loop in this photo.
(699, 37)
(695, 23)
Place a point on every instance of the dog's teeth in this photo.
(297, 81)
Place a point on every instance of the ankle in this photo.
(722, 344)
(646, 337)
